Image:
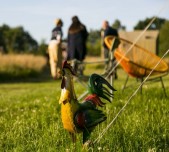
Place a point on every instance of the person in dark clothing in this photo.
(57, 30)
(108, 31)
(77, 37)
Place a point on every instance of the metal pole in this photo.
(112, 75)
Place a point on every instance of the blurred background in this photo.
(25, 29)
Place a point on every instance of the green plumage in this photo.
(83, 117)
(97, 85)
(91, 116)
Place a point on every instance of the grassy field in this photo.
(20, 66)
(30, 118)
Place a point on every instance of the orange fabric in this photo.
(135, 60)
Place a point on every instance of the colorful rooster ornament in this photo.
(82, 117)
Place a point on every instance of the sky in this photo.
(38, 16)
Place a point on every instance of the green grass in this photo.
(30, 119)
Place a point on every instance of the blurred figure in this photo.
(108, 31)
(54, 50)
(77, 37)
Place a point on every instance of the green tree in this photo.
(156, 25)
(22, 41)
(164, 37)
(117, 25)
(3, 32)
(94, 42)
(17, 40)
(2, 41)
(42, 49)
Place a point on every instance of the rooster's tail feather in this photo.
(99, 86)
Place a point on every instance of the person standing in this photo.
(108, 31)
(54, 50)
(77, 37)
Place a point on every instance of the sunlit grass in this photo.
(20, 65)
(30, 118)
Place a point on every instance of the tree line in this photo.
(17, 40)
